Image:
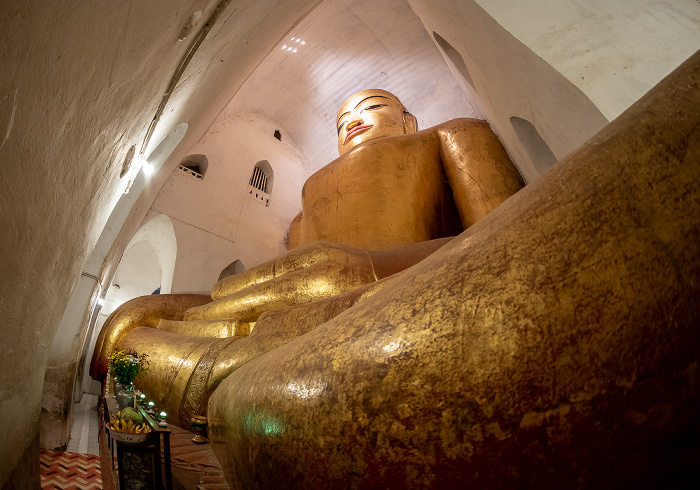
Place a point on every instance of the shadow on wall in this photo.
(147, 263)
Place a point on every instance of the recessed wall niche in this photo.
(260, 183)
(455, 57)
(235, 267)
(537, 149)
(195, 165)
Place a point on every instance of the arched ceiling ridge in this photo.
(347, 49)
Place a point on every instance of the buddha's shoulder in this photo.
(425, 142)
(459, 125)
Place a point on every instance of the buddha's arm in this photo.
(478, 168)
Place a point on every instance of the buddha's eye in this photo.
(372, 107)
(340, 127)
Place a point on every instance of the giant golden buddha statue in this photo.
(552, 344)
(394, 196)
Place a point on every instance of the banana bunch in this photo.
(128, 427)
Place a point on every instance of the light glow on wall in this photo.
(298, 40)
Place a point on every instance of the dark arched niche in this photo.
(267, 171)
(235, 267)
(455, 58)
(540, 154)
(196, 163)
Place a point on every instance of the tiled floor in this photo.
(78, 468)
(69, 471)
(83, 436)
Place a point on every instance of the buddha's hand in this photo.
(307, 273)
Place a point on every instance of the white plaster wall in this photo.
(511, 80)
(79, 84)
(90, 385)
(57, 402)
(58, 398)
(214, 219)
(351, 45)
(614, 51)
(201, 257)
(159, 233)
(139, 274)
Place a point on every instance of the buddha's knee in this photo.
(144, 311)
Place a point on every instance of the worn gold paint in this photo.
(362, 199)
(173, 359)
(196, 393)
(394, 197)
(145, 311)
(206, 328)
(552, 345)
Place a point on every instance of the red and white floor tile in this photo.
(78, 468)
(69, 471)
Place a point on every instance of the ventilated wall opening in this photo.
(258, 179)
(537, 149)
(455, 58)
(278, 135)
(195, 165)
(260, 183)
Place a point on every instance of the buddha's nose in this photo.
(354, 124)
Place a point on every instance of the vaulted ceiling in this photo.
(350, 46)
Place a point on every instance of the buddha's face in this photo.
(369, 115)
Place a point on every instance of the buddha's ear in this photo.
(410, 123)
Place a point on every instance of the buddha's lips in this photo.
(356, 130)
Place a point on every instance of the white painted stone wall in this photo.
(614, 51)
(79, 84)
(215, 221)
(81, 81)
(510, 80)
(59, 378)
(567, 67)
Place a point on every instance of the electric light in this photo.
(147, 168)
